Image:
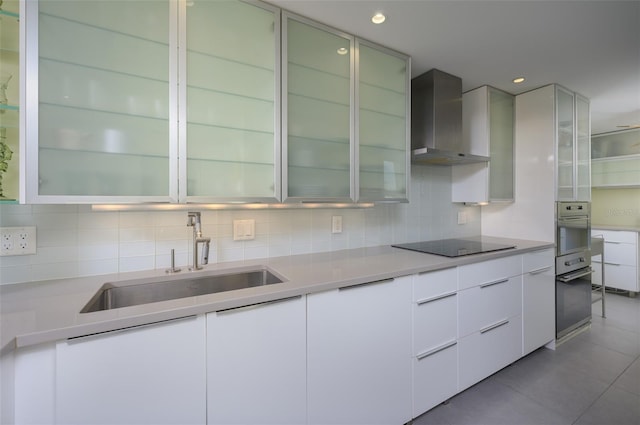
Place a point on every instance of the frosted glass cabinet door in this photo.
(501, 179)
(565, 143)
(317, 127)
(232, 115)
(103, 100)
(383, 83)
(583, 149)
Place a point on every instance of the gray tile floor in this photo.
(593, 378)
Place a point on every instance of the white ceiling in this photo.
(591, 47)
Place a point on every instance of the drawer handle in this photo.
(494, 326)
(540, 270)
(436, 350)
(359, 285)
(497, 282)
(253, 306)
(612, 264)
(613, 242)
(436, 298)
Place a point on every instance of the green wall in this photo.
(616, 207)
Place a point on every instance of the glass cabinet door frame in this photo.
(559, 89)
(285, 119)
(582, 180)
(407, 59)
(31, 96)
(182, 118)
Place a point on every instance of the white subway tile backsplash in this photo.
(136, 249)
(75, 241)
(133, 264)
(134, 234)
(98, 266)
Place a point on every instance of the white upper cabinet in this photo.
(616, 159)
(99, 101)
(573, 146)
(232, 109)
(317, 97)
(172, 101)
(488, 130)
(382, 87)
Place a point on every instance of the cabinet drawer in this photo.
(620, 277)
(489, 271)
(481, 306)
(620, 253)
(616, 235)
(435, 378)
(486, 352)
(431, 284)
(435, 321)
(538, 260)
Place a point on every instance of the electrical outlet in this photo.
(17, 240)
(336, 224)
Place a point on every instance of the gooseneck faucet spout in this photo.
(193, 220)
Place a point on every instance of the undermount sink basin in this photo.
(111, 296)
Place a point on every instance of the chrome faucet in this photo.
(193, 220)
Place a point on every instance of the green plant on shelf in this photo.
(5, 152)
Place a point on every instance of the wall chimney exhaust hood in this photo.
(436, 121)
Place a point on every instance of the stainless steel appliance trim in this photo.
(573, 276)
(494, 326)
(436, 298)
(436, 349)
(496, 282)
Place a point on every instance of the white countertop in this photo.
(612, 227)
(38, 312)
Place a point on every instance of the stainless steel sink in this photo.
(111, 296)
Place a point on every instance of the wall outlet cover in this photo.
(17, 241)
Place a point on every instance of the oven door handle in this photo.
(569, 278)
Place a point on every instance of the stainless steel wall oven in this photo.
(573, 266)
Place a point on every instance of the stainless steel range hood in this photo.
(436, 120)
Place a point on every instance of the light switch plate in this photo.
(244, 230)
(17, 240)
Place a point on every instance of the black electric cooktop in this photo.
(454, 247)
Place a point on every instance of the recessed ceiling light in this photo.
(378, 18)
(518, 80)
(343, 51)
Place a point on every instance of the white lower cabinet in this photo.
(488, 350)
(359, 354)
(153, 374)
(256, 364)
(538, 299)
(435, 351)
(489, 318)
(621, 260)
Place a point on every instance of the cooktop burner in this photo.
(454, 247)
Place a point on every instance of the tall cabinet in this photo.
(552, 156)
